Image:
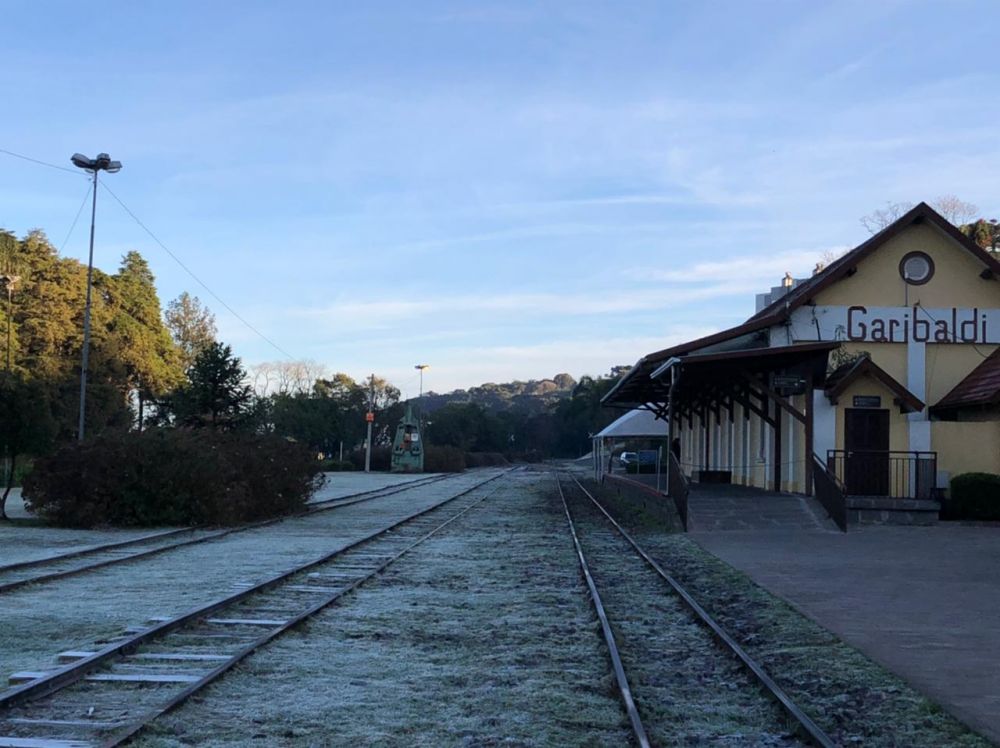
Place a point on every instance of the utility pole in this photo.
(9, 280)
(370, 417)
(103, 162)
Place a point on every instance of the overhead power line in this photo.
(76, 172)
(153, 236)
(190, 272)
(75, 219)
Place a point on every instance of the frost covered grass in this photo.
(29, 541)
(855, 700)
(42, 620)
(338, 485)
(482, 636)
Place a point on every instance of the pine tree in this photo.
(217, 394)
(152, 361)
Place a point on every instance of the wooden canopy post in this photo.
(809, 437)
(777, 444)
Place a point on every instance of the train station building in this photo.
(880, 373)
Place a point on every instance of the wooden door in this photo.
(866, 439)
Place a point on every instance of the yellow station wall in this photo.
(967, 447)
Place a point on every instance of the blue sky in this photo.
(501, 190)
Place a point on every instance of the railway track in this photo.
(105, 696)
(681, 677)
(51, 568)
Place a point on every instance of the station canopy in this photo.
(711, 375)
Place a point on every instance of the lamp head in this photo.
(81, 161)
(103, 162)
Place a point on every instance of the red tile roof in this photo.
(980, 387)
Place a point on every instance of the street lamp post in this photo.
(103, 162)
(420, 397)
(421, 367)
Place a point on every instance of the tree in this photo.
(26, 424)
(216, 395)
(879, 219)
(469, 427)
(984, 233)
(285, 377)
(151, 359)
(191, 325)
(310, 420)
(957, 211)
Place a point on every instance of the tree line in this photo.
(151, 366)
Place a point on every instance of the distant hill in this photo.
(533, 396)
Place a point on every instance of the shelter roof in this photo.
(699, 369)
(842, 378)
(980, 387)
(635, 423)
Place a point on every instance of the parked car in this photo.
(628, 458)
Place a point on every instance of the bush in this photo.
(336, 466)
(381, 457)
(172, 477)
(484, 459)
(973, 496)
(439, 459)
(21, 470)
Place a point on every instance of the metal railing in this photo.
(889, 473)
(830, 493)
(678, 490)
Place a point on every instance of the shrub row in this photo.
(172, 477)
(444, 459)
(485, 459)
(336, 466)
(973, 496)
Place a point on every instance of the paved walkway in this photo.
(922, 601)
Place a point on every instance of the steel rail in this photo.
(95, 549)
(814, 731)
(75, 671)
(609, 637)
(139, 724)
(315, 508)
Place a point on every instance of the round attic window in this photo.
(916, 268)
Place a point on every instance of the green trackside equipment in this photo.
(407, 447)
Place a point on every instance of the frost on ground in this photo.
(42, 620)
(19, 542)
(480, 637)
(338, 485)
(25, 541)
(855, 700)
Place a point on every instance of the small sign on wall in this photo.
(867, 401)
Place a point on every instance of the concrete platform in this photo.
(922, 601)
(714, 507)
